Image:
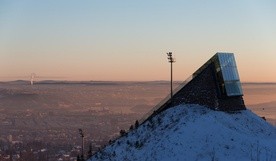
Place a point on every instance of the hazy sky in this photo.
(128, 40)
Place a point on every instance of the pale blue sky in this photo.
(128, 40)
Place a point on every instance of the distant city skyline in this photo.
(128, 40)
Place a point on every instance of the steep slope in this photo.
(193, 132)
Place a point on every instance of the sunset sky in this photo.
(128, 40)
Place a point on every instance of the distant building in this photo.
(216, 85)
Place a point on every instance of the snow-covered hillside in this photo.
(193, 132)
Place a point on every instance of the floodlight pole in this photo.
(82, 139)
(171, 60)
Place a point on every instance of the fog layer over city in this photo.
(41, 121)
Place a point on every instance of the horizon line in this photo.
(244, 82)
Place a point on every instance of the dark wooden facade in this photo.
(205, 89)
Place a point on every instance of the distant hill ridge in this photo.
(88, 82)
(112, 82)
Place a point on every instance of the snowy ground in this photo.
(193, 132)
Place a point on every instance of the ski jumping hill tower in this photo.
(216, 85)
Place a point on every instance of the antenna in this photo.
(33, 75)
